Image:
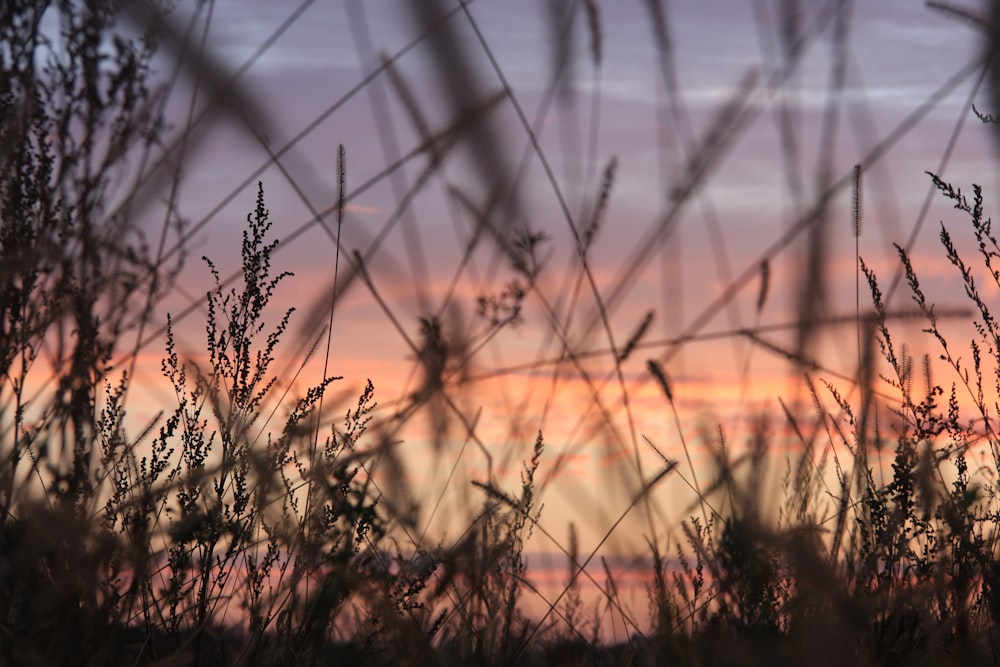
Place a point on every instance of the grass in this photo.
(244, 525)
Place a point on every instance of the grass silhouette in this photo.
(256, 520)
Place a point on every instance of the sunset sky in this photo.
(908, 79)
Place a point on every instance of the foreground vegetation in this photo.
(241, 528)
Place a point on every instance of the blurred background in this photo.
(542, 198)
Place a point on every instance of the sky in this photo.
(719, 147)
